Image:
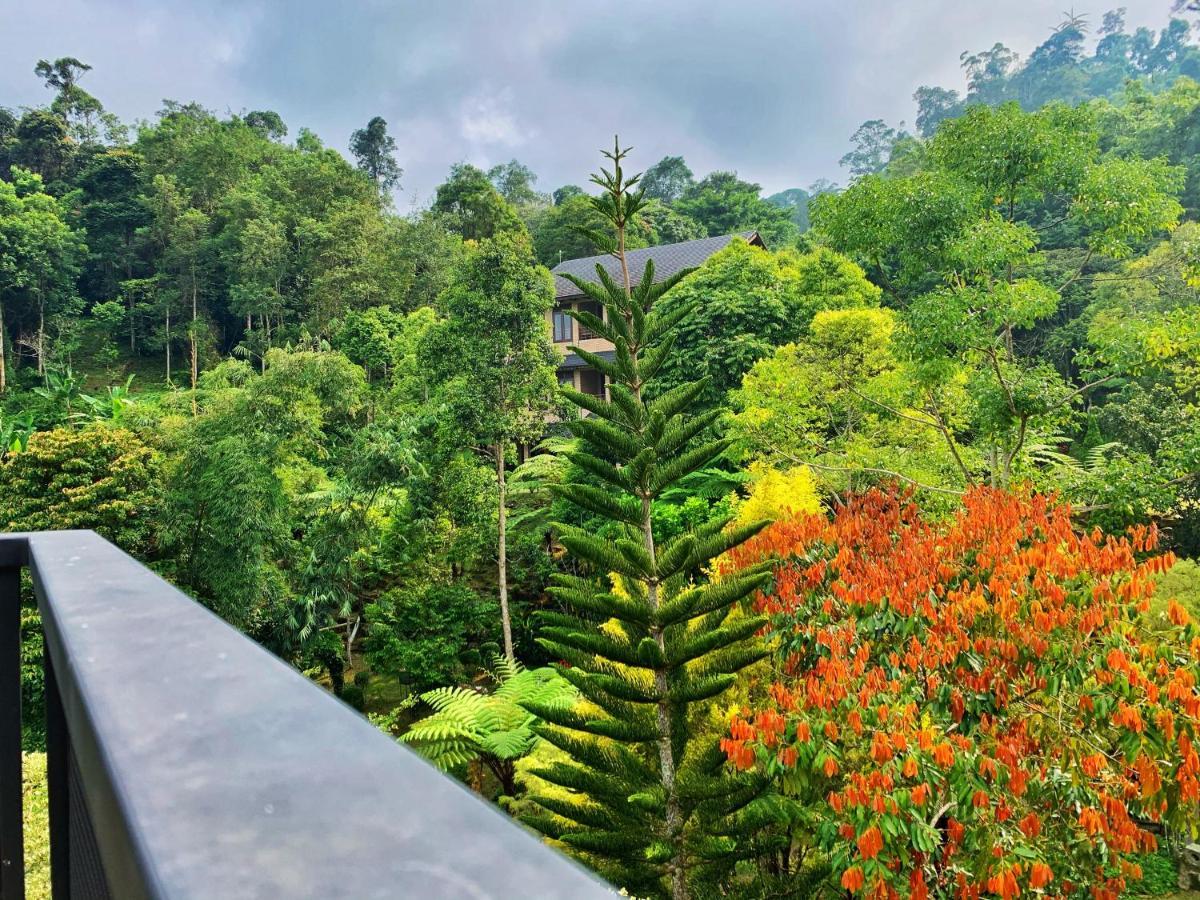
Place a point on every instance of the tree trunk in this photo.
(195, 360)
(41, 338)
(351, 634)
(502, 553)
(3, 352)
(128, 277)
(337, 674)
(664, 720)
(168, 343)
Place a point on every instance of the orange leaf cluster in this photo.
(937, 679)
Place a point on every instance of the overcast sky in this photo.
(770, 88)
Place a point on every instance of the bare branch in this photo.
(891, 409)
(1078, 272)
(888, 473)
(1087, 387)
(945, 430)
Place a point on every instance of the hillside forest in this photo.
(874, 572)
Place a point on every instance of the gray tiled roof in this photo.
(668, 259)
(574, 361)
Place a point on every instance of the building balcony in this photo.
(185, 761)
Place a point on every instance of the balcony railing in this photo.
(185, 761)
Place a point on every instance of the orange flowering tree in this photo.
(974, 704)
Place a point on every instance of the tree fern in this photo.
(709, 483)
(494, 728)
(530, 483)
(648, 643)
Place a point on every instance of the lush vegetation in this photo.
(975, 700)
(35, 815)
(874, 571)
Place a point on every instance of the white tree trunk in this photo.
(195, 359)
(3, 358)
(503, 552)
(41, 339)
(168, 343)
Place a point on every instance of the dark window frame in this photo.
(562, 322)
(586, 334)
(598, 381)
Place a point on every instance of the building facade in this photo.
(668, 260)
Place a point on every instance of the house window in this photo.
(566, 378)
(562, 325)
(591, 382)
(595, 309)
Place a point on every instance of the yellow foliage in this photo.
(778, 494)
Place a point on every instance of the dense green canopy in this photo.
(344, 426)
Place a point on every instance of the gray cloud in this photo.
(772, 89)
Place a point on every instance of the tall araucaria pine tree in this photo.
(649, 641)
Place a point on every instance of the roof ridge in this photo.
(745, 235)
(669, 259)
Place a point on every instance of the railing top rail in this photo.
(14, 547)
(226, 773)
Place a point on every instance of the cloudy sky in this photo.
(770, 88)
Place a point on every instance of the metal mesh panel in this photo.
(87, 872)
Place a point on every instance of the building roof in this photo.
(575, 361)
(668, 259)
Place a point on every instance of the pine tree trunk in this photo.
(663, 719)
(676, 868)
(502, 554)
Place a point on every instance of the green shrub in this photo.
(33, 681)
(1159, 875)
(35, 817)
(1180, 583)
(98, 477)
(353, 696)
(423, 635)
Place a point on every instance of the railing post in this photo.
(12, 849)
(57, 785)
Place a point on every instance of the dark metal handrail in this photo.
(185, 761)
